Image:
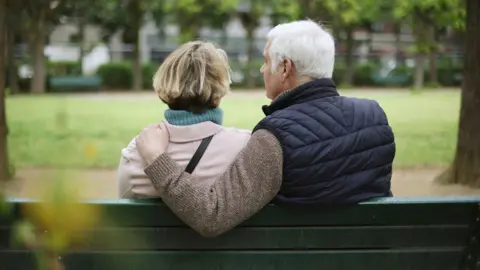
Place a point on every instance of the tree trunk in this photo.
(349, 61)
(11, 62)
(224, 38)
(137, 66)
(466, 165)
(370, 41)
(4, 170)
(433, 58)
(398, 43)
(420, 32)
(38, 81)
(250, 50)
(81, 32)
(432, 62)
(419, 71)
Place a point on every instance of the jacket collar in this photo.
(316, 89)
(190, 133)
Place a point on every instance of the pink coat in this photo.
(184, 141)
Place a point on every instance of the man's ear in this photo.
(288, 68)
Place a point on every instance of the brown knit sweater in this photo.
(249, 183)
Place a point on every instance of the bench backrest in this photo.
(435, 233)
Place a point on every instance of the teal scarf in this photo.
(185, 118)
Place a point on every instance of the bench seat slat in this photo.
(422, 259)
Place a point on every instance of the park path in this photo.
(101, 183)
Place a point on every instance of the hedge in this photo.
(118, 75)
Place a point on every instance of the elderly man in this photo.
(314, 147)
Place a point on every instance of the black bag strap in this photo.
(198, 154)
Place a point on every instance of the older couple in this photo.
(314, 147)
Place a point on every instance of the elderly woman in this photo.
(191, 81)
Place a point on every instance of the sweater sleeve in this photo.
(249, 184)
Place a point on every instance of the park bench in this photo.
(68, 83)
(387, 234)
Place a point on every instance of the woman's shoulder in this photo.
(130, 151)
(235, 133)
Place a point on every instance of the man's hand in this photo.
(152, 142)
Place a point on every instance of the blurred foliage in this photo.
(118, 75)
(58, 220)
(62, 68)
(428, 16)
(439, 13)
(191, 15)
(60, 215)
(340, 16)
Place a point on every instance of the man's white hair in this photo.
(307, 44)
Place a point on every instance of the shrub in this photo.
(364, 72)
(61, 68)
(338, 73)
(119, 75)
(449, 73)
(148, 70)
(116, 75)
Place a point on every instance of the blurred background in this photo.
(78, 77)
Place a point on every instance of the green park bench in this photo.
(388, 234)
(68, 83)
(390, 79)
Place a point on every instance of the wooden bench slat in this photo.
(422, 259)
(127, 214)
(394, 234)
(271, 238)
(280, 238)
(273, 216)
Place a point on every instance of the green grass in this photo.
(54, 131)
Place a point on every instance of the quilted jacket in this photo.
(336, 149)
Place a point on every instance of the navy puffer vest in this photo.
(336, 149)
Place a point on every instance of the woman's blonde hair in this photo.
(194, 77)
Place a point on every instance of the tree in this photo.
(12, 31)
(352, 14)
(342, 16)
(81, 13)
(315, 10)
(466, 165)
(109, 16)
(218, 18)
(4, 167)
(250, 17)
(136, 10)
(284, 11)
(191, 15)
(127, 16)
(38, 18)
(426, 18)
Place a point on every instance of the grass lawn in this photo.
(83, 132)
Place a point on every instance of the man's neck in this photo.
(303, 79)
